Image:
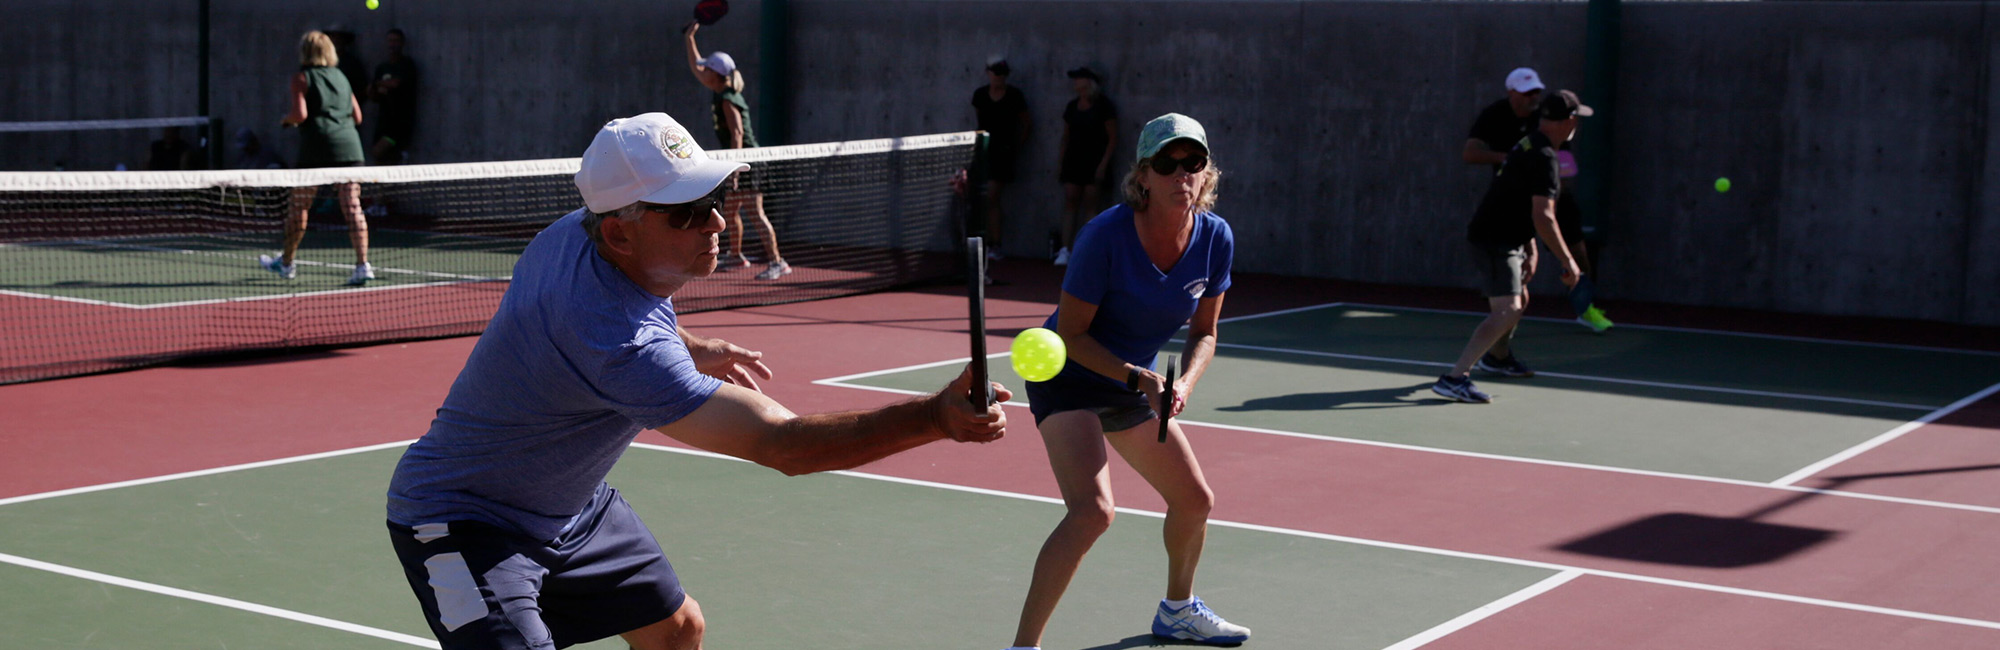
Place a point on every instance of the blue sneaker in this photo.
(1460, 389)
(1196, 622)
(277, 265)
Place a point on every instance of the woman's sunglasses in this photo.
(685, 216)
(1194, 163)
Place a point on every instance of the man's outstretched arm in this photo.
(744, 423)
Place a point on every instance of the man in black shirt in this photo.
(1520, 205)
(1504, 123)
(1002, 112)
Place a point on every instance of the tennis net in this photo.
(108, 270)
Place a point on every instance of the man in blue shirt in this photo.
(506, 530)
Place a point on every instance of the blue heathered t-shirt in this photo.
(575, 363)
(1139, 308)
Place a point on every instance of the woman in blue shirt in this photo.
(1139, 271)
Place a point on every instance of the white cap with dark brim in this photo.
(647, 158)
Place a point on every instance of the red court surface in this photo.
(1892, 574)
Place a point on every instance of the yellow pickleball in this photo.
(1038, 354)
(372, 4)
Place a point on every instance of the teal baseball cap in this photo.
(1168, 128)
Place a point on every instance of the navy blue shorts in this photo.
(1077, 388)
(486, 587)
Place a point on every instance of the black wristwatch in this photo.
(1132, 379)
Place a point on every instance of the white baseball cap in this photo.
(1522, 80)
(647, 158)
(719, 62)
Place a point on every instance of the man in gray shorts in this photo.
(506, 530)
(1520, 205)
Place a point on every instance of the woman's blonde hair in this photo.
(316, 50)
(1135, 188)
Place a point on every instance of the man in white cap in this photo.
(506, 530)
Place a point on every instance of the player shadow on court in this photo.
(1150, 641)
(1373, 398)
(1696, 540)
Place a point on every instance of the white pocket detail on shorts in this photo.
(457, 594)
(427, 533)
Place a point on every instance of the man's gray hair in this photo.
(592, 219)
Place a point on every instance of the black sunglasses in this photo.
(685, 216)
(1193, 163)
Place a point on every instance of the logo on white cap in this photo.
(675, 142)
(1522, 80)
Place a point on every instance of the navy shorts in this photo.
(1077, 388)
(484, 587)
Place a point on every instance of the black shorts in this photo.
(1077, 388)
(1500, 268)
(1080, 168)
(1000, 162)
(485, 587)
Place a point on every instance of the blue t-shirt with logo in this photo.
(576, 362)
(1139, 307)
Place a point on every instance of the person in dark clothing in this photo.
(169, 152)
(1519, 207)
(395, 95)
(1002, 112)
(1090, 130)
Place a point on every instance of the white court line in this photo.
(1521, 459)
(453, 278)
(275, 296)
(204, 472)
(231, 603)
(1892, 434)
(1662, 328)
(1594, 378)
(1767, 595)
(1467, 619)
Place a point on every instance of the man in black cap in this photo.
(1520, 205)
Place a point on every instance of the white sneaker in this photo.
(275, 265)
(775, 270)
(362, 274)
(1062, 257)
(1196, 622)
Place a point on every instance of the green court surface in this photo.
(1700, 403)
(829, 561)
(154, 271)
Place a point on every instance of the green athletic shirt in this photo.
(328, 137)
(732, 100)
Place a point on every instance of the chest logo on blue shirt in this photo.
(1196, 288)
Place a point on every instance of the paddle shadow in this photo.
(1373, 398)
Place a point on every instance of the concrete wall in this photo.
(1857, 134)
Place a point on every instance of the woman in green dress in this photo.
(719, 74)
(326, 112)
